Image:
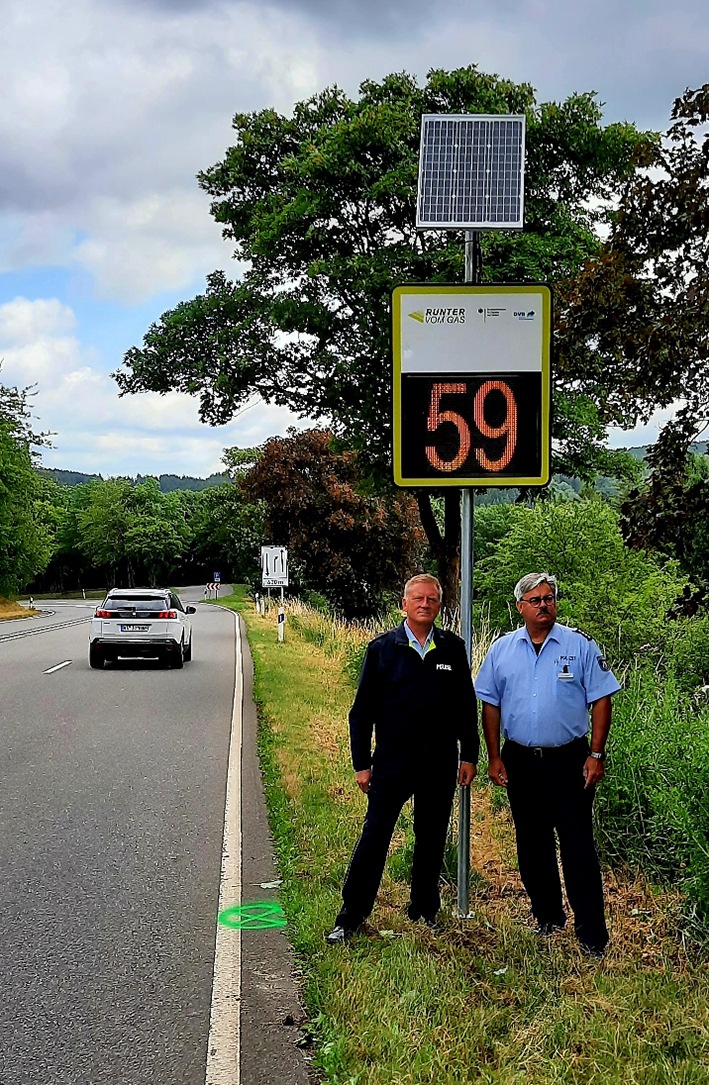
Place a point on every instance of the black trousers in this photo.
(432, 790)
(547, 797)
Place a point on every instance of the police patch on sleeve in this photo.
(602, 663)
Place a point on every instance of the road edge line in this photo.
(223, 1047)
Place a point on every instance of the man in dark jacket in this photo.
(416, 695)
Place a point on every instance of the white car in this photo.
(141, 622)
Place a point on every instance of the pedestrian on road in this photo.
(416, 696)
(537, 683)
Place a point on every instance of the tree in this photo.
(26, 529)
(618, 595)
(321, 207)
(349, 544)
(657, 305)
(641, 308)
(228, 532)
(136, 533)
(668, 514)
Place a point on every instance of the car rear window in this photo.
(147, 603)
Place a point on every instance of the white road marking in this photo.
(66, 663)
(225, 1015)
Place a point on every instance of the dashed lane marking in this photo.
(59, 666)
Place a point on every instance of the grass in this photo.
(485, 1001)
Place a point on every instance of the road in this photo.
(112, 800)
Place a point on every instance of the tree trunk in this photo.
(445, 548)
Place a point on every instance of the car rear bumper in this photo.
(146, 647)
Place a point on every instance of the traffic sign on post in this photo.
(472, 385)
(274, 567)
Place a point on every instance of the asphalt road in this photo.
(112, 797)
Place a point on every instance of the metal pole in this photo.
(467, 515)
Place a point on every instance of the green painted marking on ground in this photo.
(257, 916)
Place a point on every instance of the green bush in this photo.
(653, 807)
(619, 596)
(689, 652)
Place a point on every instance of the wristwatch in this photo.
(597, 756)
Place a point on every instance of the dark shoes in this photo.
(339, 935)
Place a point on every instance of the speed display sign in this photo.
(471, 385)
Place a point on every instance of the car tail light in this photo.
(167, 614)
(103, 614)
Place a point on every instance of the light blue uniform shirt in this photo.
(414, 643)
(544, 699)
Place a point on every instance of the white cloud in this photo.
(159, 242)
(24, 321)
(94, 430)
(108, 113)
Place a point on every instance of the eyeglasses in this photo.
(538, 600)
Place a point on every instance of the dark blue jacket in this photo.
(421, 711)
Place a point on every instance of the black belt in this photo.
(548, 751)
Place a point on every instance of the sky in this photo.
(111, 107)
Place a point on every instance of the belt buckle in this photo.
(538, 751)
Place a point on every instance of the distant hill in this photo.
(168, 483)
(640, 451)
(68, 478)
(188, 482)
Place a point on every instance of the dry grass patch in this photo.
(10, 610)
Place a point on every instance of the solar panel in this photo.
(471, 172)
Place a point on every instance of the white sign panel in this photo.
(274, 567)
(462, 332)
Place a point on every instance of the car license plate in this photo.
(135, 628)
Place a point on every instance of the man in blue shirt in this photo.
(416, 696)
(536, 685)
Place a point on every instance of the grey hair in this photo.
(424, 578)
(533, 580)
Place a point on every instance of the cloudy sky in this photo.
(110, 107)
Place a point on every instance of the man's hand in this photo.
(593, 772)
(497, 771)
(466, 773)
(363, 777)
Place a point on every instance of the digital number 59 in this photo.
(506, 429)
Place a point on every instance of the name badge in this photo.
(565, 674)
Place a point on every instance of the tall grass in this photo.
(653, 808)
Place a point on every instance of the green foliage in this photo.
(228, 532)
(26, 531)
(642, 308)
(652, 809)
(669, 512)
(689, 659)
(167, 482)
(619, 596)
(492, 522)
